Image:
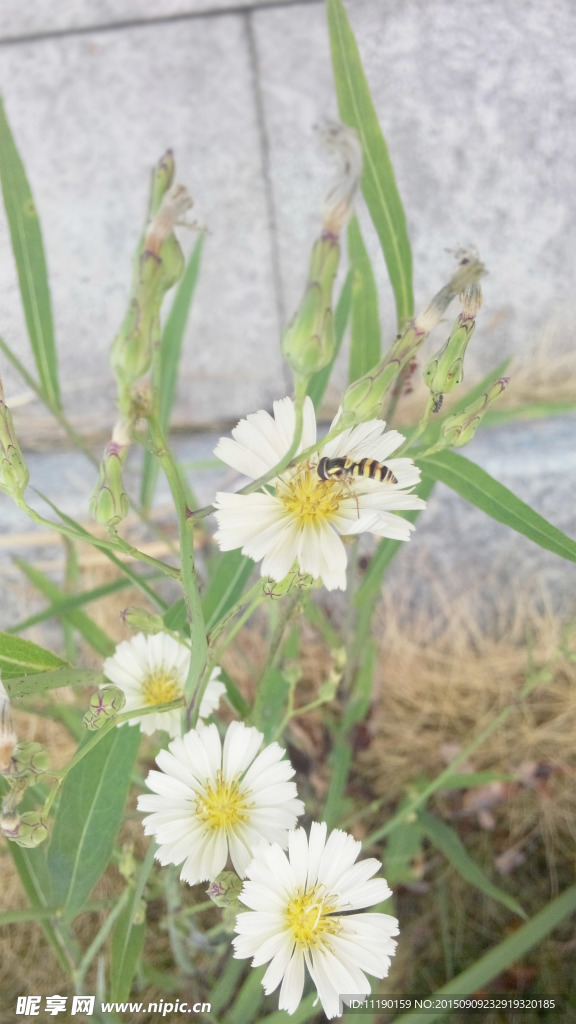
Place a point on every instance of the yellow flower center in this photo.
(223, 805)
(308, 918)
(305, 495)
(161, 686)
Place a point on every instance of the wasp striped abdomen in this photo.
(342, 467)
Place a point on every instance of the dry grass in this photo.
(433, 695)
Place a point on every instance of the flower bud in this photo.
(309, 341)
(363, 398)
(27, 761)
(105, 704)
(293, 581)
(29, 832)
(143, 621)
(459, 429)
(224, 891)
(8, 737)
(109, 503)
(445, 371)
(159, 264)
(14, 474)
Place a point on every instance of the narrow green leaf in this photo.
(128, 936)
(77, 618)
(369, 590)
(20, 657)
(319, 383)
(33, 874)
(378, 181)
(226, 984)
(30, 685)
(73, 601)
(28, 250)
(403, 847)
(226, 586)
(469, 780)
(499, 958)
(172, 337)
(89, 814)
(248, 1000)
(448, 842)
(480, 489)
(365, 337)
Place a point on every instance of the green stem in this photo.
(249, 596)
(288, 608)
(188, 578)
(98, 941)
(104, 545)
(409, 443)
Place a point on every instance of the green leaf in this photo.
(29, 685)
(365, 338)
(480, 489)
(226, 586)
(248, 1000)
(448, 842)
(469, 780)
(89, 814)
(73, 601)
(28, 250)
(378, 181)
(20, 657)
(498, 959)
(128, 936)
(172, 337)
(77, 618)
(319, 382)
(403, 847)
(369, 590)
(175, 617)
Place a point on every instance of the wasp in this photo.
(343, 467)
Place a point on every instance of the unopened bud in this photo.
(309, 341)
(338, 204)
(30, 830)
(293, 581)
(8, 737)
(159, 264)
(13, 470)
(109, 503)
(143, 621)
(225, 888)
(363, 398)
(27, 761)
(459, 429)
(224, 892)
(105, 704)
(445, 371)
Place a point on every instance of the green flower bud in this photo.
(224, 891)
(28, 760)
(364, 398)
(225, 888)
(143, 621)
(294, 580)
(445, 371)
(30, 830)
(109, 503)
(459, 429)
(309, 341)
(105, 704)
(159, 264)
(14, 474)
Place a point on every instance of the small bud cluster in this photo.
(104, 705)
(20, 764)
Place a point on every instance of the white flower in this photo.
(300, 917)
(152, 670)
(305, 517)
(213, 800)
